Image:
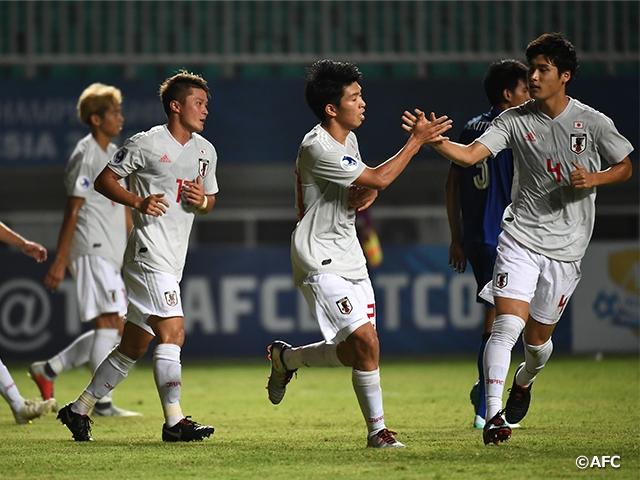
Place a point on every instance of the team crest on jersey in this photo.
(83, 183)
(579, 125)
(118, 157)
(171, 298)
(348, 163)
(204, 167)
(344, 305)
(578, 143)
(502, 279)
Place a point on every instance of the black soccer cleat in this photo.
(186, 430)
(518, 401)
(496, 430)
(79, 425)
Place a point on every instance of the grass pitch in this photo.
(579, 407)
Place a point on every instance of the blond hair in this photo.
(96, 99)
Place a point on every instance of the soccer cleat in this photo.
(518, 401)
(186, 431)
(79, 425)
(280, 375)
(43, 381)
(496, 430)
(33, 409)
(110, 410)
(384, 439)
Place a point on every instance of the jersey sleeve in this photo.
(127, 159)
(210, 180)
(497, 136)
(338, 168)
(78, 178)
(612, 146)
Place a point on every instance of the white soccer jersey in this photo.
(101, 227)
(158, 163)
(547, 213)
(324, 240)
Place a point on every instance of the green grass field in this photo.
(580, 407)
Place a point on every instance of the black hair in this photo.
(179, 88)
(557, 49)
(326, 80)
(501, 75)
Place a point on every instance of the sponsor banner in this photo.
(606, 313)
(237, 301)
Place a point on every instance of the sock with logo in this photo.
(167, 372)
(369, 393)
(321, 354)
(536, 357)
(497, 357)
(76, 354)
(9, 390)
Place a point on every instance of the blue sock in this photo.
(482, 405)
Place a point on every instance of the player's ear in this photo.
(331, 110)
(175, 106)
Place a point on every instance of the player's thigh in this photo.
(557, 282)
(339, 305)
(151, 292)
(482, 258)
(99, 287)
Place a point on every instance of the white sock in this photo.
(167, 372)
(321, 354)
(536, 357)
(9, 389)
(107, 376)
(76, 354)
(103, 342)
(367, 388)
(497, 358)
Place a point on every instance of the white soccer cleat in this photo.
(384, 439)
(34, 409)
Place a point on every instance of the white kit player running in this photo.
(91, 244)
(329, 265)
(172, 170)
(557, 143)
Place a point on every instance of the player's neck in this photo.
(338, 132)
(101, 139)
(177, 131)
(553, 106)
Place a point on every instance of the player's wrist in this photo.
(205, 202)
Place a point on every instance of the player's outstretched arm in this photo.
(32, 249)
(620, 172)
(107, 184)
(463, 155)
(422, 132)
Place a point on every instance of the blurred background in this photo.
(237, 289)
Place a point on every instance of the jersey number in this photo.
(180, 183)
(481, 180)
(554, 169)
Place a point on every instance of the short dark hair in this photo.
(560, 52)
(179, 88)
(326, 80)
(500, 75)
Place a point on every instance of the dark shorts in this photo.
(482, 257)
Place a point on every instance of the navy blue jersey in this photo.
(485, 188)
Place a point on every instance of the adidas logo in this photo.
(165, 159)
(530, 138)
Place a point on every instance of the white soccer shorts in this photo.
(522, 274)
(150, 292)
(340, 306)
(99, 287)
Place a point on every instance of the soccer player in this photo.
(557, 143)
(476, 198)
(91, 244)
(329, 266)
(23, 410)
(172, 170)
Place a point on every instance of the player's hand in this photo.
(580, 178)
(426, 131)
(55, 275)
(154, 205)
(361, 198)
(193, 192)
(34, 250)
(457, 258)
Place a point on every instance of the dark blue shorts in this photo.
(482, 258)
